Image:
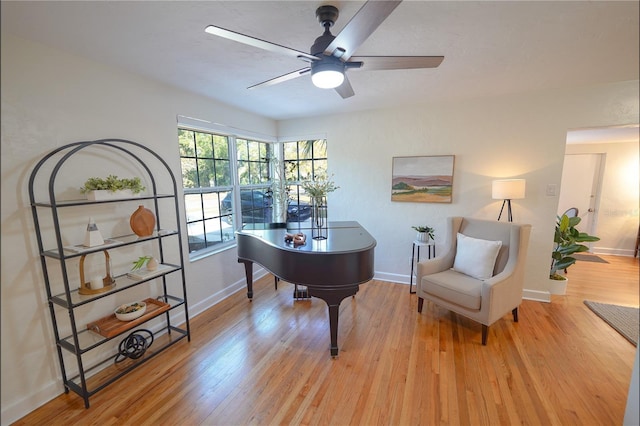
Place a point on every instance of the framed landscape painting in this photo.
(427, 179)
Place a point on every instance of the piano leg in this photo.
(248, 271)
(333, 297)
(334, 309)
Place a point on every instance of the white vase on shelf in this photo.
(152, 264)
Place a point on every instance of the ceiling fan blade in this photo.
(345, 90)
(361, 26)
(261, 44)
(373, 63)
(282, 78)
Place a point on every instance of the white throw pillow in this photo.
(476, 257)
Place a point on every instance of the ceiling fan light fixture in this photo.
(327, 75)
(330, 56)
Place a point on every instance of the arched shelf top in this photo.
(140, 155)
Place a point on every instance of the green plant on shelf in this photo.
(142, 260)
(112, 183)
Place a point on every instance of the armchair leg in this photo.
(420, 303)
(485, 332)
(515, 314)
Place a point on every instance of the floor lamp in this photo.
(507, 190)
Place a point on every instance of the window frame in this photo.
(264, 181)
(203, 191)
(296, 192)
(263, 185)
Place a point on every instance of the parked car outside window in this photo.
(257, 207)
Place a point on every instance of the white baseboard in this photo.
(394, 278)
(536, 295)
(613, 251)
(218, 297)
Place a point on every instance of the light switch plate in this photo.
(552, 188)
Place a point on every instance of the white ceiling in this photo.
(490, 48)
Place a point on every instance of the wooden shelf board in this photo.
(110, 326)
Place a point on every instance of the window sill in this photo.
(202, 254)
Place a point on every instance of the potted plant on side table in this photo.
(424, 233)
(567, 241)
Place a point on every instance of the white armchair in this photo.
(480, 273)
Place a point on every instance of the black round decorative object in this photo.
(134, 345)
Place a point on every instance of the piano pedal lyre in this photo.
(301, 293)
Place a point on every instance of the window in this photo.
(304, 161)
(254, 179)
(207, 181)
(221, 173)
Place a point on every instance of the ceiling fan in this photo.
(331, 56)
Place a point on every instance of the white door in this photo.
(580, 187)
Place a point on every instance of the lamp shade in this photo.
(508, 189)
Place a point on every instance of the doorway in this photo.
(599, 177)
(581, 188)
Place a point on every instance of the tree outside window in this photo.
(226, 177)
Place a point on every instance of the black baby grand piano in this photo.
(332, 269)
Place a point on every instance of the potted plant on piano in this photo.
(319, 187)
(318, 190)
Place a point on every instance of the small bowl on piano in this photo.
(297, 239)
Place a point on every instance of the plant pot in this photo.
(558, 286)
(105, 194)
(422, 237)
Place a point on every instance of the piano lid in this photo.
(342, 237)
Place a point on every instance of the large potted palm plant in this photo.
(567, 241)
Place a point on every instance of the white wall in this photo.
(50, 98)
(617, 224)
(511, 136)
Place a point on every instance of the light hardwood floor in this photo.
(267, 362)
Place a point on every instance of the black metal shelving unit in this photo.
(79, 349)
